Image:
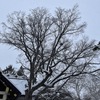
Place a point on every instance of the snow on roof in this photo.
(20, 84)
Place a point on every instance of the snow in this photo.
(20, 84)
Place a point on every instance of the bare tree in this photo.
(93, 86)
(86, 86)
(45, 42)
(77, 84)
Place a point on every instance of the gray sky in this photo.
(89, 9)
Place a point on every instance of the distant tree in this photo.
(78, 85)
(20, 72)
(50, 53)
(93, 87)
(53, 94)
(9, 70)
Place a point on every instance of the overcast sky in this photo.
(89, 9)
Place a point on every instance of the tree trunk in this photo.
(28, 95)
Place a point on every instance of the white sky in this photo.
(89, 9)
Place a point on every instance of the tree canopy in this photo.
(48, 48)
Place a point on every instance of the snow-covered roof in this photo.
(20, 84)
(13, 90)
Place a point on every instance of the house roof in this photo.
(20, 84)
(12, 88)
